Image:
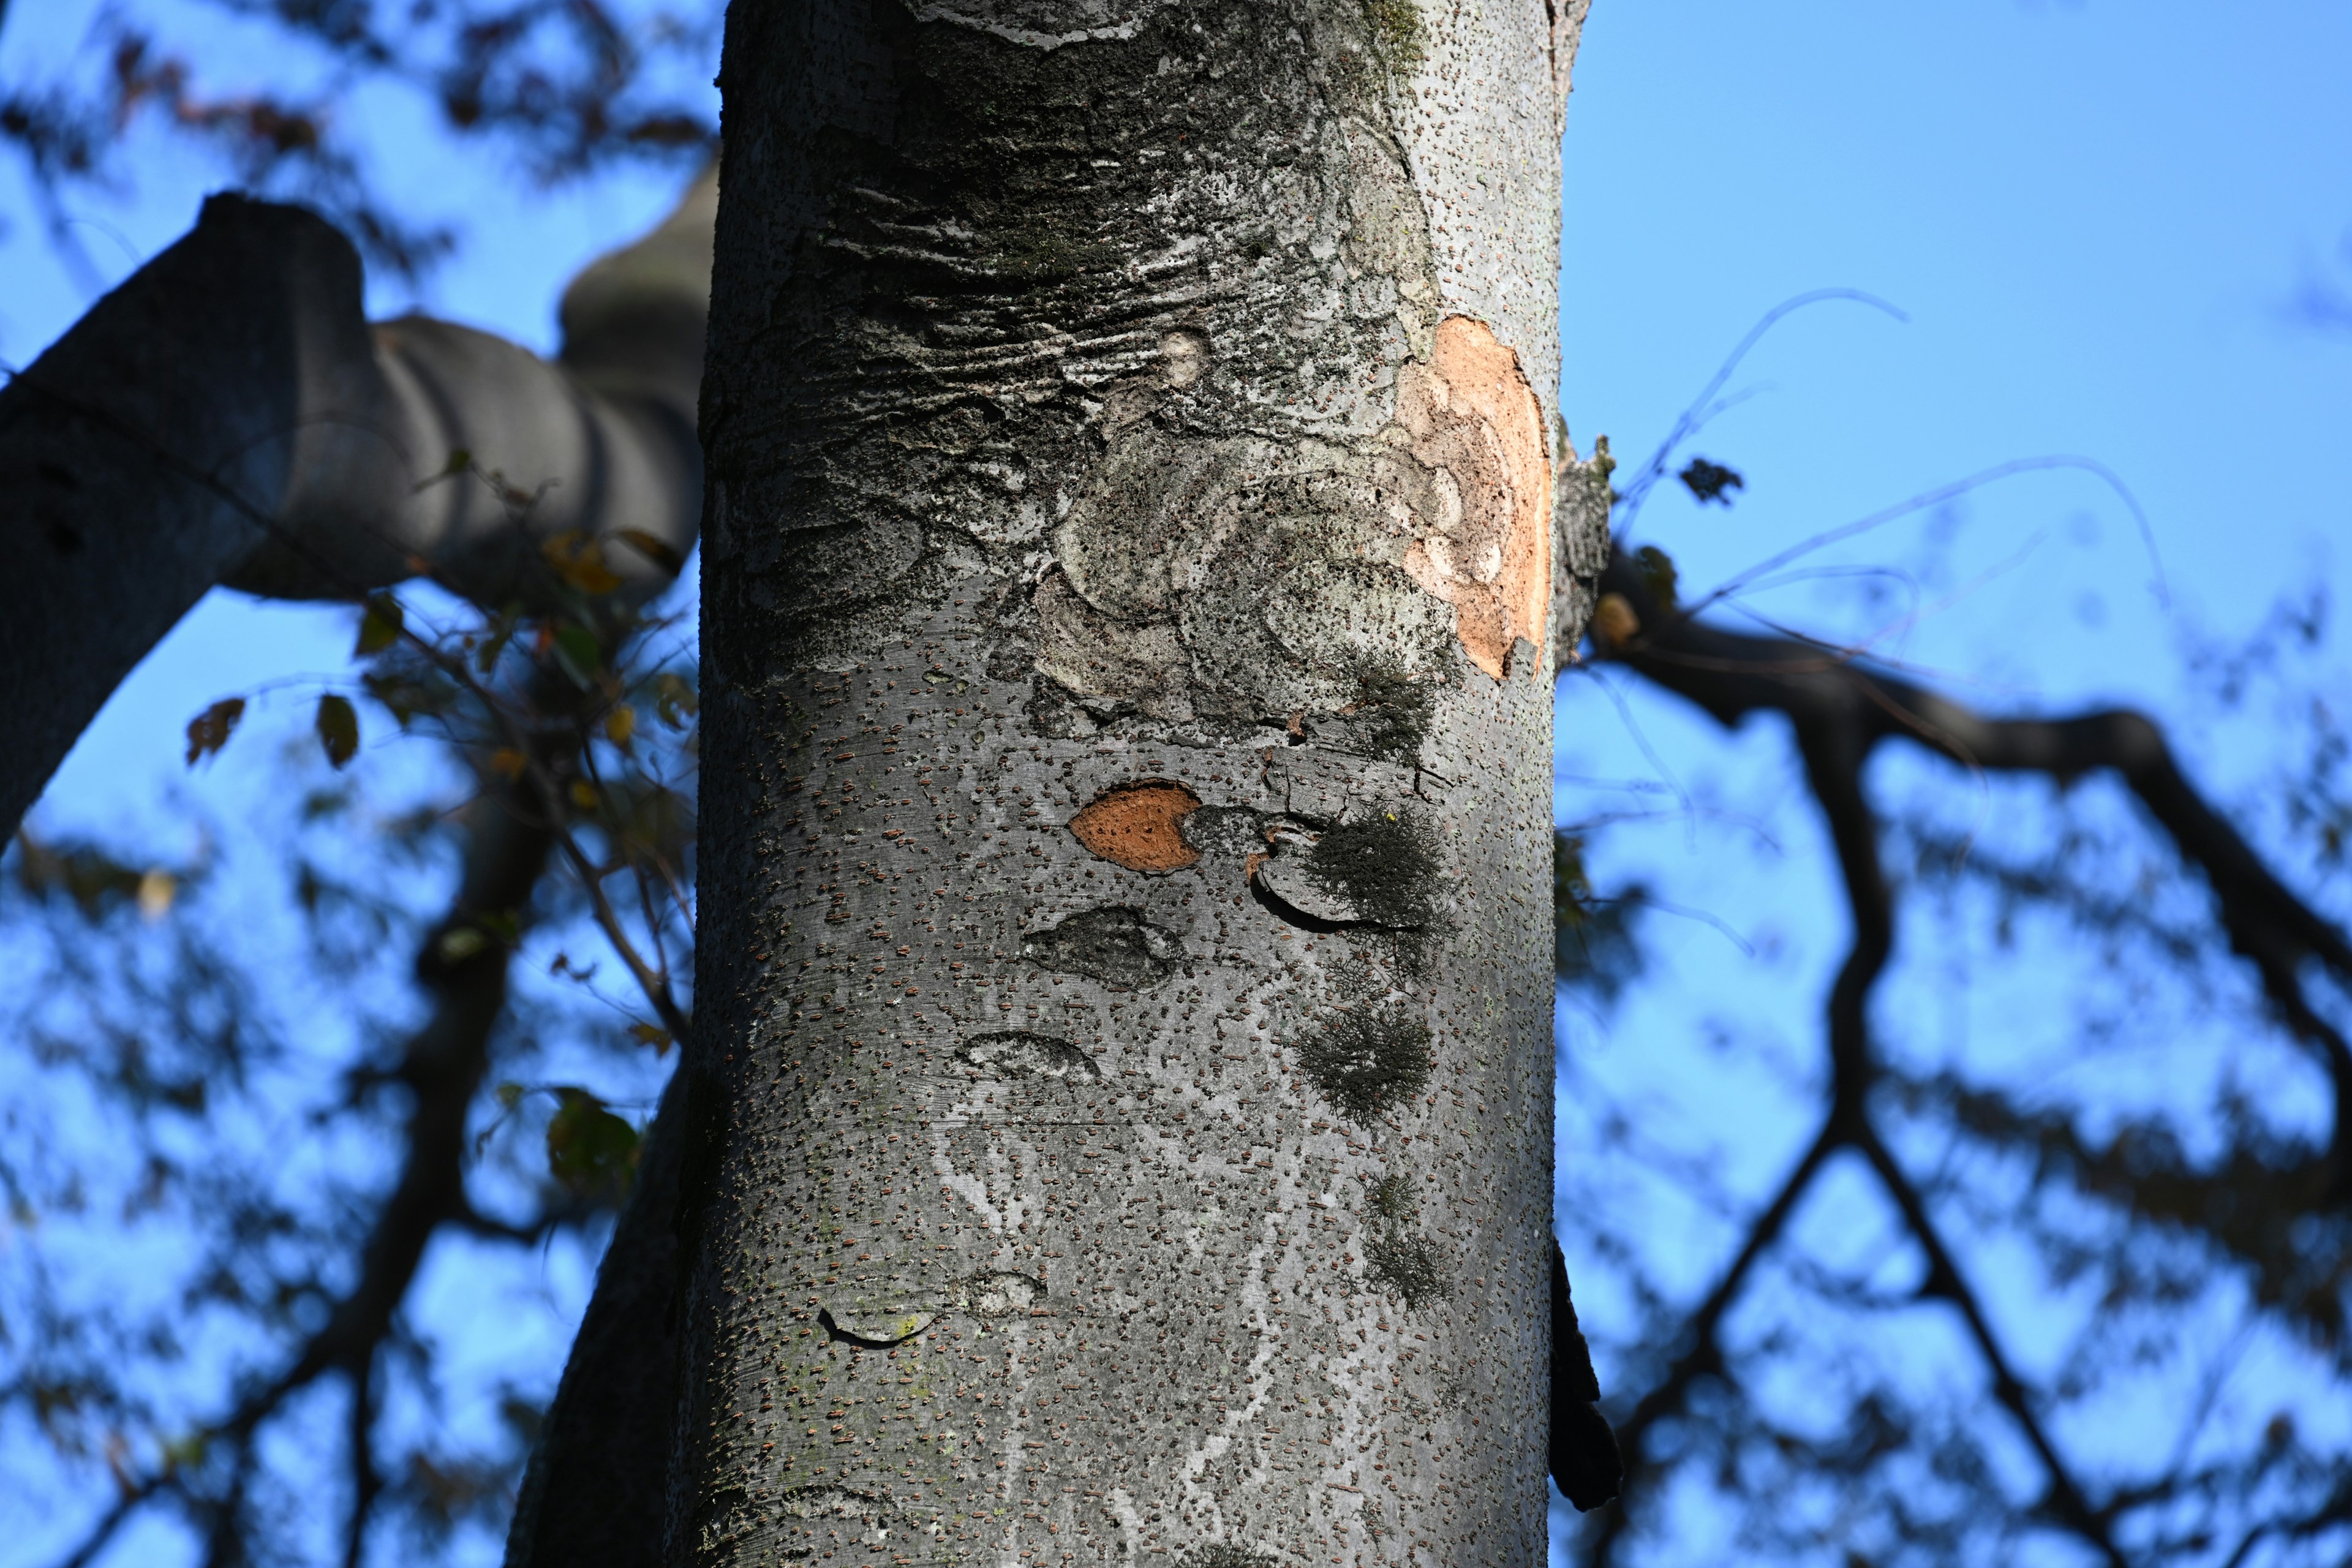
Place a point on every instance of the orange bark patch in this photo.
(1473, 419)
(1139, 825)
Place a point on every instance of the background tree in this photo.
(2176, 1216)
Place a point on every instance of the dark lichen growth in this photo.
(1366, 1060)
(1392, 714)
(1114, 944)
(1224, 1554)
(1406, 1265)
(1395, 1257)
(1384, 866)
(1396, 31)
(1391, 1197)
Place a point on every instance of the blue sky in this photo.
(2105, 224)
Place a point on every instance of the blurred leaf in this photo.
(338, 729)
(651, 1034)
(459, 461)
(1593, 944)
(502, 632)
(656, 550)
(92, 879)
(590, 1151)
(458, 945)
(380, 625)
(583, 795)
(157, 888)
(1657, 569)
(620, 724)
(508, 762)
(209, 730)
(579, 560)
(1614, 624)
(576, 650)
(1571, 889)
(675, 699)
(510, 1095)
(411, 689)
(1709, 481)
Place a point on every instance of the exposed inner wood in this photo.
(1139, 825)
(1475, 420)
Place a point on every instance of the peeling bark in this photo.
(228, 417)
(1126, 1037)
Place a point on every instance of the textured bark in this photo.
(1119, 1120)
(228, 415)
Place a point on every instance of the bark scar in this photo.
(1473, 419)
(1139, 825)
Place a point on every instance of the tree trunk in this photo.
(1121, 1119)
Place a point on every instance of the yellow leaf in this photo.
(579, 560)
(508, 762)
(649, 1035)
(621, 724)
(157, 888)
(653, 548)
(583, 795)
(1614, 624)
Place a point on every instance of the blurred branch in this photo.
(463, 964)
(1841, 711)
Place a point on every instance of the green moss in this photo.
(1396, 31)
(1391, 1197)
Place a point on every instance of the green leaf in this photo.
(208, 732)
(577, 652)
(338, 729)
(1657, 569)
(459, 461)
(590, 1151)
(380, 625)
(458, 945)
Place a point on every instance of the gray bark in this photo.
(228, 415)
(1119, 1120)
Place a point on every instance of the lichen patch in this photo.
(1139, 825)
(1487, 550)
